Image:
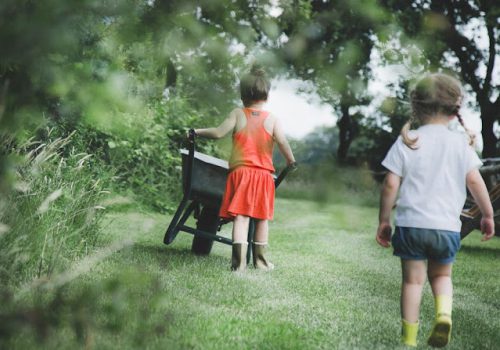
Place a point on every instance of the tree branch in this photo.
(456, 41)
(469, 66)
(491, 60)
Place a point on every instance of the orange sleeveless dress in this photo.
(250, 184)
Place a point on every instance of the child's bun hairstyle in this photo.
(254, 86)
(434, 94)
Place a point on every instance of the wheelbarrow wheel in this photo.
(208, 221)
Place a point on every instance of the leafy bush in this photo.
(148, 162)
(318, 146)
(46, 314)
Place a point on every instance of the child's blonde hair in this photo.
(254, 86)
(434, 94)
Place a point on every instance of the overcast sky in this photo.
(299, 113)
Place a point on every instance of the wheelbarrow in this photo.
(204, 182)
(471, 215)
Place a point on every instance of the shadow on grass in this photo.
(481, 251)
(165, 256)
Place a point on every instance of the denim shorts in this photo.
(411, 243)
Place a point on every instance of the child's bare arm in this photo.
(477, 188)
(283, 145)
(388, 197)
(216, 133)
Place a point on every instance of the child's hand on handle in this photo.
(191, 134)
(487, 228)
(293, 166)
(384, 233)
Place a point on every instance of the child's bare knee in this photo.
(419, 280)
(241, 218)
(436, 270)
(435, 275)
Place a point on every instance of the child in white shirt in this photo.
(430, 168)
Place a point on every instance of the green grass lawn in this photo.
(333, 288)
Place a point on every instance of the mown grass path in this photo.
(333, 288)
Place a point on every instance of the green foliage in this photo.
(380, 129)
(52, 215)
(316, 147)
(461, 36)
(100, 68)
(53, 61)
(46, 310)
(329, 182)
(330, 43)
(149, 163)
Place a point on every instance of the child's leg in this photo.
(414, 273)
(261, 231)
(240, 228)
(259, 246)
(439, 275)
(440, 278)
(240, 243)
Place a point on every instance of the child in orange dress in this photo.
(250, 186)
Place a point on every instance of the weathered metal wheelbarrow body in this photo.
(204, 182)
(471, 215)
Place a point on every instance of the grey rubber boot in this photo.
(239, 256)
(259, 256)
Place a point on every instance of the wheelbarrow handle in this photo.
(290, 168)
(191, 135)
(190, 161)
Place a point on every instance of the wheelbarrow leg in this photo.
(208, 221)
(251, 234)
(172, 228)
(468, 225)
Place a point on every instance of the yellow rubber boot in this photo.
(441, 331)
(409, 332)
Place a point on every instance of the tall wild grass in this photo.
(51, 215)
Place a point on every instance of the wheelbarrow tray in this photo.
(471, 217)
(208, 178)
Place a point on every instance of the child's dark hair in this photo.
(254, 86)
(434, 94)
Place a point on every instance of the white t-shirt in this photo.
(433, 186)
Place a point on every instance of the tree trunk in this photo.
(489, 138)
(171, 80)
(345, 125)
